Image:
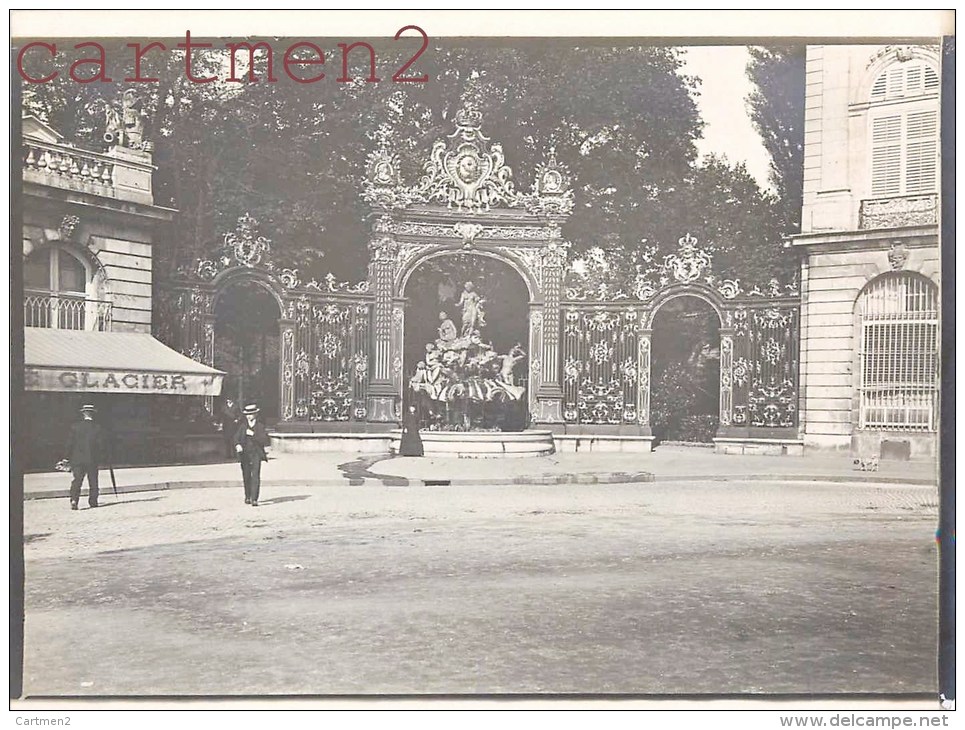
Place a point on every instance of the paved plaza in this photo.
(746, 585)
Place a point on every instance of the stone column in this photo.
(382, 388)
(549, 411)
(644, 340)
(726, 377)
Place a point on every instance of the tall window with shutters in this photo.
(904, 131)
(899, 334)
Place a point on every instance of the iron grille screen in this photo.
(899, 353)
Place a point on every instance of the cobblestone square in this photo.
(703, 587)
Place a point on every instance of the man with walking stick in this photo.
(251, 445)
(86, 449)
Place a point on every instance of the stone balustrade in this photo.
(68, 163)
(119, 173)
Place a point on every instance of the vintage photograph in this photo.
(448, 363)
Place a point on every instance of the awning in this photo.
(74, 361)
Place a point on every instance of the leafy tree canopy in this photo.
(622, 118)
(777, 110)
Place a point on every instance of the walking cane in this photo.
(110, 465)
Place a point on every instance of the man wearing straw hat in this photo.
(251, 445)
(85, 449)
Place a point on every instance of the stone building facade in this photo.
(871, 275)
(89, 228)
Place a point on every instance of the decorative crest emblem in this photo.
(242, 243)
(551, 191)
(468, 176)
(688, 264)
(383, 182)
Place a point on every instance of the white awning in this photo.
(73, 361)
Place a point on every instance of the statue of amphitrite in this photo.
(473, 315)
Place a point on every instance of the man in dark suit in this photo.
(86, 449)
(251, 445)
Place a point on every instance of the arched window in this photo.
(904, 130)
(56, 287)
(898, 318)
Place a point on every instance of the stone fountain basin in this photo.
(482, 444)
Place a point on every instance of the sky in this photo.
(725, 86)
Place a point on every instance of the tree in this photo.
(622, 119)
(777, 110)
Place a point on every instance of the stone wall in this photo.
(830, 343)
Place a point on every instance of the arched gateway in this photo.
(342, 355)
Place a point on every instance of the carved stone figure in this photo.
(447, 330)
(125, 128)
(898, 256)
(131, 119)
(508, 363)
(473, 315)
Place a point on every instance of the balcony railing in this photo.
(907, 210)
(62, 311)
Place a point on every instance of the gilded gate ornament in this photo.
(688, 264)
(245, 246)
(383, 186)
(461, 172)
(552, 195)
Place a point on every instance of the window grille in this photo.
(42, 309)
(899, 354)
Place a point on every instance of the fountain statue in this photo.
(463, 384)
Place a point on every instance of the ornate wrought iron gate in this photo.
(607, 343)
(325, 328)
(604, 362)
(590, 347)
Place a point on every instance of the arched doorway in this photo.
(685, 390)
(246, 345)
(466, 368)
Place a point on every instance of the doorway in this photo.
(685, 396)
(246, 338)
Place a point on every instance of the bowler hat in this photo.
(251, 409)
(87, 408)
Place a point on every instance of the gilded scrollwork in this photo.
(462, 173)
